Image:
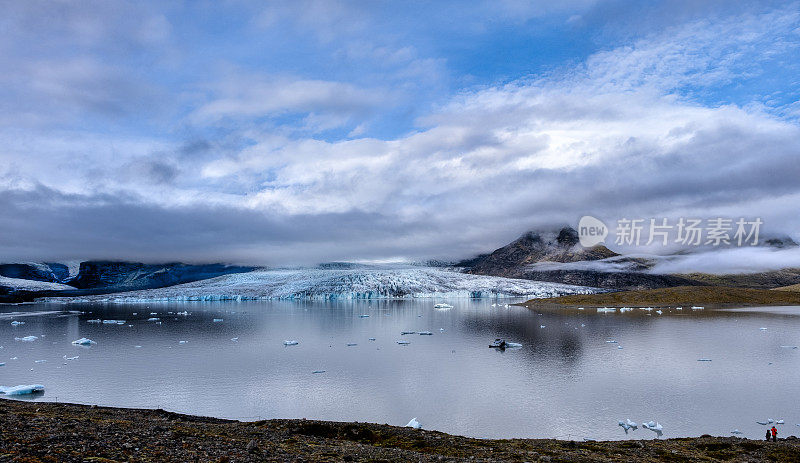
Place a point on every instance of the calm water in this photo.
(566, 381)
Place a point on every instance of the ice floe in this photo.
(83, 342)
(24, 389)
(413, 424)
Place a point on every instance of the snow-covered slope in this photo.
(18, 284)
(348, 283)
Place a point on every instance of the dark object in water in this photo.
(498, 344)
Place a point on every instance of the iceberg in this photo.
(363, 316)
(404, 343)
(413, 424)
(655, 427)
(606, 309)
(316, 372)
(704, 360)
(83, 342)
(290, 343)
(153, 319)
(217, 320)
(513, 345)
(23, 389)
(2, 364)
(27, 339)
(407, 332)
(425, 333)
(16, 323)
(442, 306)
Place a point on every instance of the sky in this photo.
(296, 132)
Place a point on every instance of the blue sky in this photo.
(295, 132)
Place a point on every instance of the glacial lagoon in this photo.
(576, 375)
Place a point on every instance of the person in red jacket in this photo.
(774, 434)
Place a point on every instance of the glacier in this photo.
(358, 282)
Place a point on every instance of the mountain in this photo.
(532, 247)
(21, 282)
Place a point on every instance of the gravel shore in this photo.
(46, 432)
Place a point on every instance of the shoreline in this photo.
(45, 431)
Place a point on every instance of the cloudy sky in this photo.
(307, 131)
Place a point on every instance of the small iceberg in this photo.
(425, 333)
(606, 309)
(363, 316)
(789, 347)
(542, 326)
(413, 424)
(655, 427)
(182, 342)
(659, 312)
(217, 320)
(316, 372)
(696, 307)
(235, 339)
(2, 364)
(27, 339)
(780, 422)
(40, 361)
(407, 332)
(71, 358)
(290, 343)
(736, 431)
(513, 345)
(371, 339)
(628, 425)
(351, 344)
(16, 323)
(619, 347)
(24, 389)
(404, 343)
(153, 319)
(442, 306)
(703, 360)
(83, 342)
(763, 329)
(113, 322)
(94, 321)
(611, 341)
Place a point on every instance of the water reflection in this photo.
(567, 381)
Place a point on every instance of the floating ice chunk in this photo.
(404, 343)
(703, 360)
(542, 326)
(363, 316)
(407, 332)
(678, 308)
(182, 342)
(655, 427)
(217, 320)
(646, 309)
(83, 342)
(513, 345)
(27, 339)
(17, 323)
(2, 364)
(659, 312)
(413, 424)
(625, 309)
(113, 322)
(441, 329)
(606, 309)
(443, 306)
(619, 347)
(39, 361)
(611, 341)
(789, 347)
(736, 431)
(763, 329)
(71, 358)
(135, 313)
(184, 313)
(696, 307)
(153, 313)
(780, 422)
(627, 425)
(24, 389)
(371, 339)
(351, 344)
(580, 308)
(290, 343)
(137, 347)
(316, 372)
(764, 423)
(425, 333)
(236, 339)
(153, 319)
(97, 320)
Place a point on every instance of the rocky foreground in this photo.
(45, 432)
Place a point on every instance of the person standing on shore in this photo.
(774, 434)
(768, 434)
